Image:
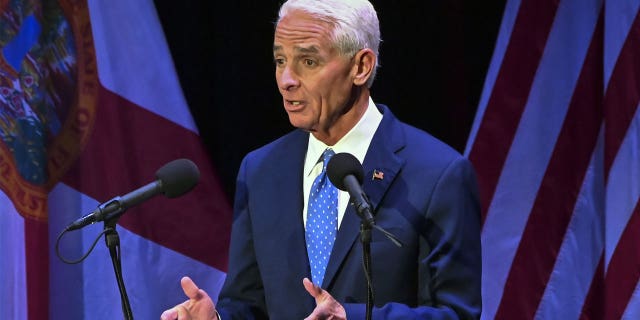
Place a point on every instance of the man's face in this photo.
(316, 83)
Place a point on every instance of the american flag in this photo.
(556, 143)
(377, 174)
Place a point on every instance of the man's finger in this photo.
(313, 289)
(178, 312)
(183, 313)
(170, 314)
(190, 288)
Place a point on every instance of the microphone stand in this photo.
(113, 243)
(366, 224)
(365, 238)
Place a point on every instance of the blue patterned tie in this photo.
(322, 221)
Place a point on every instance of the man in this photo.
(421, 191)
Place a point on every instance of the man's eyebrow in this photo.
(310, 49)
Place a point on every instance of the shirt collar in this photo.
(356, 141)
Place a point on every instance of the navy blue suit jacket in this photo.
(427, 198)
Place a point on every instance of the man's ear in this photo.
(365, 60)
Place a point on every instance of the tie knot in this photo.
(326, 155)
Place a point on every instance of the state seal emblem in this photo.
(48, 94)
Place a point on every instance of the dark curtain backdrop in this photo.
(434, 57)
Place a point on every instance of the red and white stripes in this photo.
(557, 158)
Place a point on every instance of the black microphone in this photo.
(173, 179)
(345, 172)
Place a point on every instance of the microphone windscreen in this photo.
(341, 165)
(178, 177)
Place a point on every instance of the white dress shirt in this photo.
(356, 142)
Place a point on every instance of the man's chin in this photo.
(297, 121)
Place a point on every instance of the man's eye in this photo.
(309, 62)
(278, 61)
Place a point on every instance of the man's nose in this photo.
(288, 78)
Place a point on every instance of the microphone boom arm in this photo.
(118, 205)
(363, 207)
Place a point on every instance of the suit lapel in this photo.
(286, 191)
(381, 157)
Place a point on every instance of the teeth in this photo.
(295, 103)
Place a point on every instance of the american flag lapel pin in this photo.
(377, 175)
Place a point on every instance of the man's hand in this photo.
(326, 306)
(198, 307)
